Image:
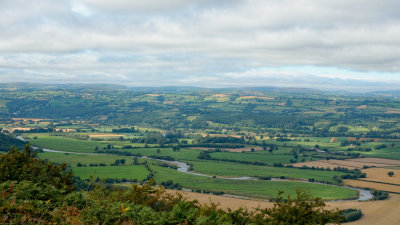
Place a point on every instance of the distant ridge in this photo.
(190, 89)
(27, 85)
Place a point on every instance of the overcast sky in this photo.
(335, 44)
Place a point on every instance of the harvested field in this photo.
(12, 129)
(321, 164)
(219, 135)
(168, 102)
(381, 175)
(377, 186)
(385, 212)
(313, 112)
(364, 139)
(392, 112)
(362, 107)
(153, 95)
(253, 97)
(375, 212)
(28, 119)
(221, 95)
(350, 163)
(224, 202)
(247, 149)
(382, 162)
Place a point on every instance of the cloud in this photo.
(207, 42)
(151, 6)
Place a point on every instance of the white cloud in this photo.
(184, 41)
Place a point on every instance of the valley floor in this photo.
(385, 212)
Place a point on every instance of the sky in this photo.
(323, 44)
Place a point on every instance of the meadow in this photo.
(238, 170)
(250, 188)
(138, 172)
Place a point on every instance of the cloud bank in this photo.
(308, 43)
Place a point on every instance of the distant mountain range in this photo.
(174, 89)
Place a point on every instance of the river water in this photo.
(363, 194)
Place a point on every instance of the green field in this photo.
(137, 172)
(260, 189)
(74, 159)
(66, 144)
(238, 170)
(260, 156)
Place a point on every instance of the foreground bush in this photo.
(37, 192)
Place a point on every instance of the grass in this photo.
(182, 154)
(66, 144)
(137, 172)
(259, 189)
(238, 170)
(74, 159)
(260, 156)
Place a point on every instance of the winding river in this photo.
(363, 194)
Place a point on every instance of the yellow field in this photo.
(253, 97)
(12, 129)
(320, 164)
(314, 112)
(219, 135)
(224, 202)
(362, 107)
(377, 186)
(27, 119)
(221, 95)
(385, 212)
(392, 112)
(382, 162)
(168, 102)
(350, 163)
(381, 175)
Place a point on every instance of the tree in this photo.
(135, 161)
(25, 166)
(391, 174)
(122, 161)
(304, 209)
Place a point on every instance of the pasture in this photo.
(238, 170)
(137, 172)
(66, 144)
(250, 188)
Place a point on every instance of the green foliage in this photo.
(350, 215)
(380, 195)
(28, 201)
(19, 166)
(304, 209)
(6, 142)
